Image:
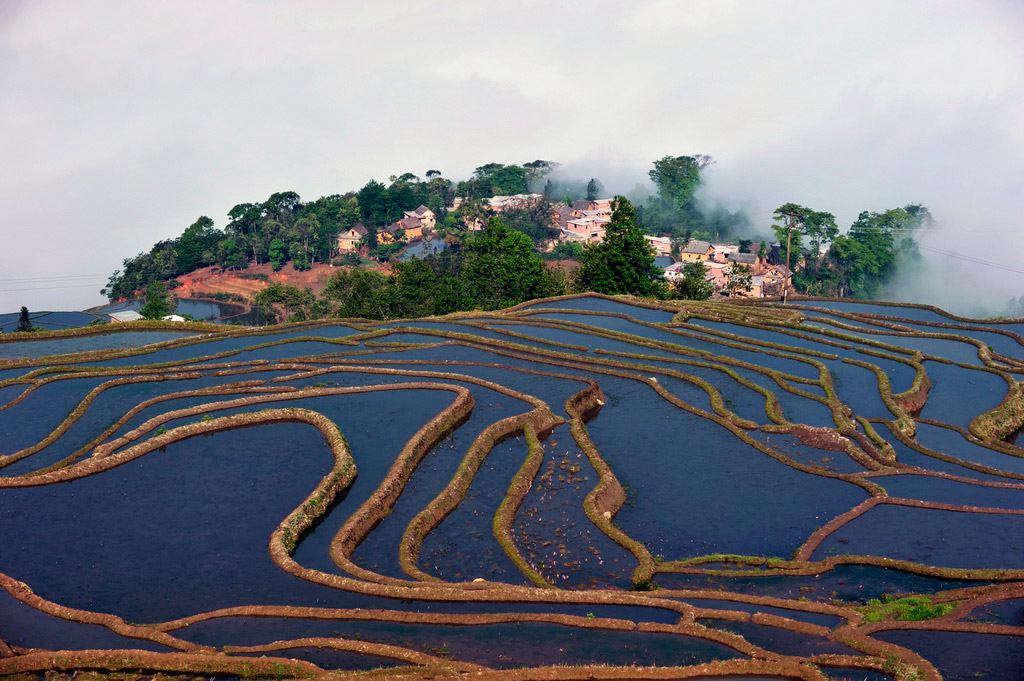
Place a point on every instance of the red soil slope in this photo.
(202, 282)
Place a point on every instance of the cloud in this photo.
(121, 122)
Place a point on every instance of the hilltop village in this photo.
(583, 222)
(418, 246)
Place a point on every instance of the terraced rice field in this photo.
(575, 488)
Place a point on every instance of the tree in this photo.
(159, 301)
(493, 179)
(501, 268)
(866, 257)
(624, 261)
(297, 304)
(375, 204)
(197, 239)
(360, 293)
(308, 229)
(593, 189)
(794, 223)
(678, 178)
(278, 254)
(739, 280)
(674, 208)
(694, 285)
(24, 323)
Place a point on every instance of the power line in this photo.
(69, 277)
(972, 259)
(45, 288)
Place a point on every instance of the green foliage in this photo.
(501, 268)
(694, 285)
(864, 259)
(739, 279)
(535, 221)
(566, 250)
(360, 293)
(196, 245)
(908, 609)
(296, 304)
(159, 302)
(277, 254)
(24, 323)
(494, 179)
(624, 261)
(496, 268)
(674, 208)
(794, 223)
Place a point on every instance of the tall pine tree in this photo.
(624, 261)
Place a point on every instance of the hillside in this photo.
(248, 281)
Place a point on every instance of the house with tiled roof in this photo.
(695, 250)
(350, 239)
(427, 217)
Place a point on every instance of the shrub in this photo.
(908, 609)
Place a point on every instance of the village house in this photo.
(584, 231)
(749, 259)
(718, 274)
(500, 204)
(125, 316)
(662, 245)
(603, 206)
(349, 240)
(674, 272)
(756, 287)
(560, 215)
(777, 278)
(696, 250)
(427, 217)
(721, 251)
(410, 228)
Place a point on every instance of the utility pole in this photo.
(790, 218)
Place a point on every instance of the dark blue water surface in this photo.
(951, 442)
(604, 305)
(185, 529)
(192, 351)
(178, 531)
(1010, 611)
(961, 656)
(23, 625)
(950, 491)
(958, 395)
(32, 419)
(801, 615)
(932, 537)
(699, 489)
(781, 641)
(528, 644)
(98, 341)
(845, 582)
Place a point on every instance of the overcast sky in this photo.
(122, 122)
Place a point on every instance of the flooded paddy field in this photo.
(580, 487)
